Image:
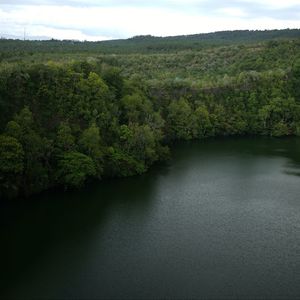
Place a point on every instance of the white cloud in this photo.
(274, 4)
(98, 23)
(232, 12)
(63, 34)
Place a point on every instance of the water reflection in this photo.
(33, 229)
(239, 147)
(222, 218)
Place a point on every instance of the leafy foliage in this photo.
(11, 165)
(63, 122)
(75, 168)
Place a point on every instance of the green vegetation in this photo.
(71, 112)
(146, 44)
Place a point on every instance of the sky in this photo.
(112, 19)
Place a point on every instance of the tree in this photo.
(90, 143)
(180, 120)
(136, 108)
(120, 164)
(280, 116)
(74, 169)
(112, 76)
(295, 80)
(140, 142)
(203, 123)
(11, 165)
(65, 140)
(35, 175)
(13, 129)
(280, 129)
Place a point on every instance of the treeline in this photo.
(208, 65)
(144, 44)
(64, 124)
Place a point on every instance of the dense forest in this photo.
(77, 111)
(146, 43)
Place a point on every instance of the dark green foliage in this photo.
(295, 79)
(203, 126)
(74, 168)
(90, 143)
(62, 123)
(11, 165)
(119, 163)
(280, 116)
(65, 141)
(181, 120)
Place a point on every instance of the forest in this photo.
(72, 112)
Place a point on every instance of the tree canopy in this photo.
(68, 117)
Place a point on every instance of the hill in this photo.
(75, 111)
(145, 44)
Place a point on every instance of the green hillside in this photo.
(71, 112)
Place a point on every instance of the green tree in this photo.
(120, 164)
(203, 123)
(180, 120)
(280, 116)
(11, 165)
(136, 108)
(35, 175)
(64, 138)
(13, 129)
(112, 76)
(280, 129)
(74, 169)
(140, 142)
(90, 143)
(295, 80)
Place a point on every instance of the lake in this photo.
(220, 220)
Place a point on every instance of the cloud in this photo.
(232, 11)
(272, 4)
(89, 20)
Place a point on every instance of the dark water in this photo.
(221, 220)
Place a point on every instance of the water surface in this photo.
(221, 220)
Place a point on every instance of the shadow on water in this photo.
(32, 228)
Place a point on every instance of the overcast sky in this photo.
(111, 19)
